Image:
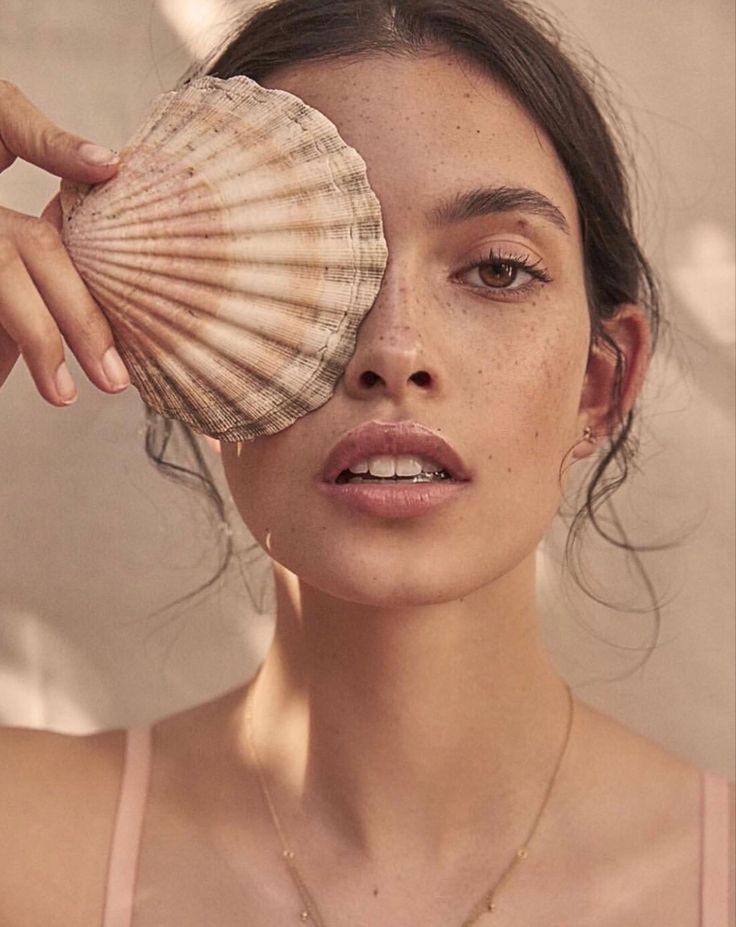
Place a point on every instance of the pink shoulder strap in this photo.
(123, 865)
(714, 876)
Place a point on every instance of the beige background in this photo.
(92, 540)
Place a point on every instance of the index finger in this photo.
(26, 133)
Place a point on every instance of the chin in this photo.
(383, 580)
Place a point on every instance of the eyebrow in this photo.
(485, 201)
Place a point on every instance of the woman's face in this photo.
(502, 352)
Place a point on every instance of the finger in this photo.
(78, 317)
(28, 322)
(52, 213)
(25, 132)
(9, 354)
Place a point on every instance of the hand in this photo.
(42, 297)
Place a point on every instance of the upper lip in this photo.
(392, 439)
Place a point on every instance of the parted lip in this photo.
(392, 438)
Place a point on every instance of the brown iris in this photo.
(498, 273)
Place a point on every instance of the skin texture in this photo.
(407, 715)
(406, 651)
(503, 378)
(521, 358)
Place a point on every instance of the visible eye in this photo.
(512, 273)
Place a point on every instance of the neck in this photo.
(409, 729)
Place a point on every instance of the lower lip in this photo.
(394, 500)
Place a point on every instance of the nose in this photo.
(393, 358)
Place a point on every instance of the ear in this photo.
(599, 409)
(212, 443)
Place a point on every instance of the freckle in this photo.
(508, 469)
(536, 434)
(375, 891)
(490, 456)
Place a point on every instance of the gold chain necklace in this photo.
(486, 903)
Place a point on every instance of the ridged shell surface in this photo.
(235, 254)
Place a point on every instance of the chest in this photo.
(222, 866)
(234, 876)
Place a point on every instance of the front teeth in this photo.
(408, 466)
(385, 466)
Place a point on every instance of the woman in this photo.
(407, 752)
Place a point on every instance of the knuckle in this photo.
(52, 140)
(39, 234)
(89, 328)
(38, 339)
(93, 332)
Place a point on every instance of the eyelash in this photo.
(519, 262)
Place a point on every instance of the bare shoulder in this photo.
(58, 795)
(644, 803)
(730, 866)
(633, 777)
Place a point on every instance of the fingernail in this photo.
(65, 385)
(97, 155)
(117, 375)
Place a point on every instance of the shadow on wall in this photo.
(35, 689)
(203, 24)
(704, 286)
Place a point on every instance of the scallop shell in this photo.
(234, 254)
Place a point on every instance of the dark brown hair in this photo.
(521, 48)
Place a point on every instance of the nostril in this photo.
(368, 378)
(421, 378)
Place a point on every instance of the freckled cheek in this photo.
(550, 398)
(530, 385)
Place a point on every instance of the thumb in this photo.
(26, 133)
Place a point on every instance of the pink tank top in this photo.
(123, 865)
